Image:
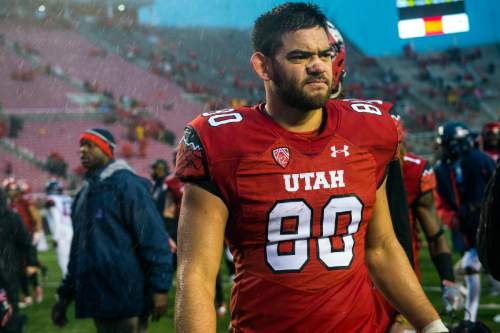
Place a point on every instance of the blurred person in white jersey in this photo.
(59, 219)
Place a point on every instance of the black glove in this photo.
(59, 313)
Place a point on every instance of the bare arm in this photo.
(170, 208)
(427, 217)
(36, 218)
(201, 236)
(390, 269)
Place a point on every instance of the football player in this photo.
(32, 220)
(462, 173)
(490, 137)
(420, 182)
(297, 186)
(59, 218)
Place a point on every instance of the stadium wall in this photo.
(371, 25)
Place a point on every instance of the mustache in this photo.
(315, 79)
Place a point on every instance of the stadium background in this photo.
(144, 68)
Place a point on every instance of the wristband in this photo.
(444, 266)
(435, 237)
(436, 326)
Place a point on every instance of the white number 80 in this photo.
(299, 256)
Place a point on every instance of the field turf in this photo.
(39, 314)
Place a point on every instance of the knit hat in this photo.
(102, 138)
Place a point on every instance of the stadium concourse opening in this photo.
(143, 69)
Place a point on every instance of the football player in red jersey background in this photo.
(420, 182)
(297, 188)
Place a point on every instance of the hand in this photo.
(172, 245)
(59, 313)
(453, 296)
(160, 302)
(37, 236)
(30, 270)
(400, 325)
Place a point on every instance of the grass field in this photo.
(39, 314)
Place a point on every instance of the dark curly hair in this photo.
(291, 16)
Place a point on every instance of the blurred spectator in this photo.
(159, 171)
(16, 249)
(22, 74)
(56, 164)
(8, 169)
(33, 223)
(127, 151)
(16, 125)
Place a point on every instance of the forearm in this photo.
(392, 274)
(194, 303)
(36, 218)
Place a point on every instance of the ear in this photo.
(261, 65)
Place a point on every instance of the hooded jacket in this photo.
(119, 253)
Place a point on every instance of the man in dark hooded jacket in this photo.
(120, 265)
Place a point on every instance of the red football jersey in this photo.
(419, 178)
(174, 185)
(22, 207)
(299, 208)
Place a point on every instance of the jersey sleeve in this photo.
(368, 124)
(191, 162)
(428, 179)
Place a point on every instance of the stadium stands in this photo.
(41, 92)
(44, 137)
(108, 71)
(212, 65)
(11, 165)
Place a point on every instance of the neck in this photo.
(293, 119)
(99, 166)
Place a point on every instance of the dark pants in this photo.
(123, 325)
(26, 281)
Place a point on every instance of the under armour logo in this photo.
(336, 151)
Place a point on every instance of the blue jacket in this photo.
(119, 253)
(472, 172)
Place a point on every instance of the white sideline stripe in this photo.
(490, 306)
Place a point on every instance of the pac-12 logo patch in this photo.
(281, 156)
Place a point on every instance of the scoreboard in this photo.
(421, 18)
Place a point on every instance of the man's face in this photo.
(157, 171)
(302, 69)
(13, 194)
(492, 140)
(91, 156)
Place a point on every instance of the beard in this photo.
(293, 93)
